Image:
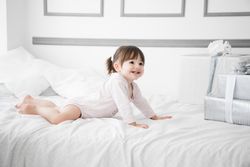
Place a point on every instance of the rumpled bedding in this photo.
(187, 140)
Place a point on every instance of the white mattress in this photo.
(185, 141)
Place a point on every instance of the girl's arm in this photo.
(142, 104)
(119, 94)
(121, 99)
(155, 117)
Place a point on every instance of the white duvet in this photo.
(187, 140)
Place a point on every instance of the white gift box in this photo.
(228, 108)
(241, 90)
(228, 94)
(217, 109)
(224, 65)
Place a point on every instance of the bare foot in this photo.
(27, 109)
(26, 100)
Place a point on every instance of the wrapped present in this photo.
(228, 108)
(234, 64)
(228, 93)
(231, 111)
(241, 90)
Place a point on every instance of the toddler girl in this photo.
(115, 95)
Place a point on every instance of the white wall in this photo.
(192, 26)
(3, 26)
(162, 64)
(16, 22)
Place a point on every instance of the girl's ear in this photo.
(116, 67)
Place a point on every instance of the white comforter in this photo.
(187, 140)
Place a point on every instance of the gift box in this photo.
(228, 93)
(220, 109)
(241, 88)
(222, 65)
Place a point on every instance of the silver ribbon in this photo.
(213, 65)
(231, 80)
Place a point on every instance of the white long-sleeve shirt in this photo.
(114, 97)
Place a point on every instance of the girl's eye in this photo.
(131, 62)
(141, 64)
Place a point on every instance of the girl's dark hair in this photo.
(122, 54)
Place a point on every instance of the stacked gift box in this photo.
(228, 96)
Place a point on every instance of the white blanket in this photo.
(187, 140)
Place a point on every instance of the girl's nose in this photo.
(137, 66)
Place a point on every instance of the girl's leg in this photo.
(39, 102)
(53, 114)
(48, 110)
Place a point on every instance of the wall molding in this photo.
(182, 14)
(46, 13)
(221, 14)
(186, 43)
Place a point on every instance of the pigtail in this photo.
(109, 66)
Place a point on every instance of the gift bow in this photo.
(219, 47)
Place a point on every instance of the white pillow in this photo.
(72, 83)
(23, 74)
(4, 91)
(32, 84)
(13, 63)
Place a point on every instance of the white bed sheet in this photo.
(187, 140)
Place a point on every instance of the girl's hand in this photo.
(145, 126)
(155, 117)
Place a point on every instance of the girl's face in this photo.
(131, 69)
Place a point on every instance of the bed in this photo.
(186, 140)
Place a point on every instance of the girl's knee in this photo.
(61, 118)
(69, 113)
(56, 120)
